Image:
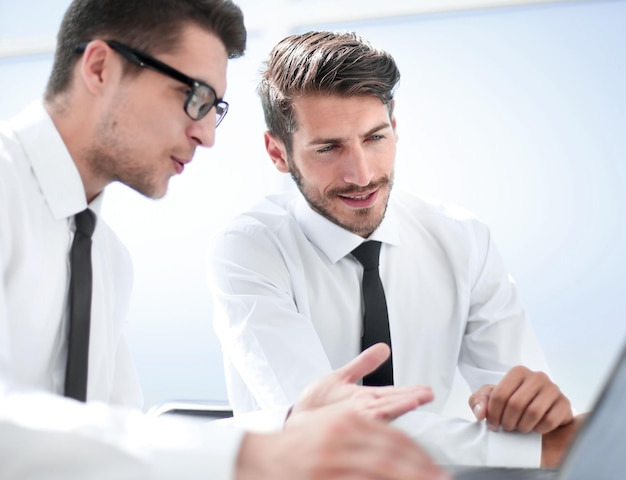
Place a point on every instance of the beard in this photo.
(112, 160)
(361, 222)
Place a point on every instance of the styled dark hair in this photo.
(322, 63)
(153, 26)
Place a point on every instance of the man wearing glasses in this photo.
(113, 112)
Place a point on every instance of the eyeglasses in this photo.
(200, 99)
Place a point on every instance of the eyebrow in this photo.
(326, 141)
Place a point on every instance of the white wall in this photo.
(516, 113)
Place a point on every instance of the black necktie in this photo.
(375, 317)
(80, 307)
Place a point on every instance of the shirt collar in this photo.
(52, 164)
(335, 241)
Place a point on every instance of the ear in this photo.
(96, 66)
(277, 152)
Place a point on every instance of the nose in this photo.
(358, 170)
(202, 131)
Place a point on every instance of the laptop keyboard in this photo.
(501, 473)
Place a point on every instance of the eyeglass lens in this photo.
(201, 100)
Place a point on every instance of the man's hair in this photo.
(153, 26)
(322, 63)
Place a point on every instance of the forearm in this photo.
(334, 443)
(272, 353)
(72, 440)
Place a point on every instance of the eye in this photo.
(326, 149)
(376, 137)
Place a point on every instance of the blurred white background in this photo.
(513, 109)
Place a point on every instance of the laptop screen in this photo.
(599, 452)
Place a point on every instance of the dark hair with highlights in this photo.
(322, 63)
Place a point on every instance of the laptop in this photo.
(598, 452)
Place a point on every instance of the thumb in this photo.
(478, 401)
(366, 362)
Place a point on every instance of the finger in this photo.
(559, 414)
(523, 409)
(390, 391)
(478, 401)
(501, 394)
(547, 397)
(366, 362)
(535, 414)
(530, 402)
(390, 407)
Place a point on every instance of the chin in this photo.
(159, 193)
(157, 196)
(150, 191)
(358, 224)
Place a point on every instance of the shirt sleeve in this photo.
(126, 389)
(44, 435)
(498, 335)
(259, 325)
(73, 440)
(463, 442)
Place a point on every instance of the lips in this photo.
(360, 200)
(179, 164)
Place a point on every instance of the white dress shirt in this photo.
(42, 434)
(288, 310)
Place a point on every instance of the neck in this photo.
(75, 132)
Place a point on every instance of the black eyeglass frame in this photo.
(144, 60)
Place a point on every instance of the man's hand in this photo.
(523, 401)
(383, 403)
(334, 443)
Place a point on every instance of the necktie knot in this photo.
(85, 222)
(368, 253)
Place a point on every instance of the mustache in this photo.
(356, 191)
